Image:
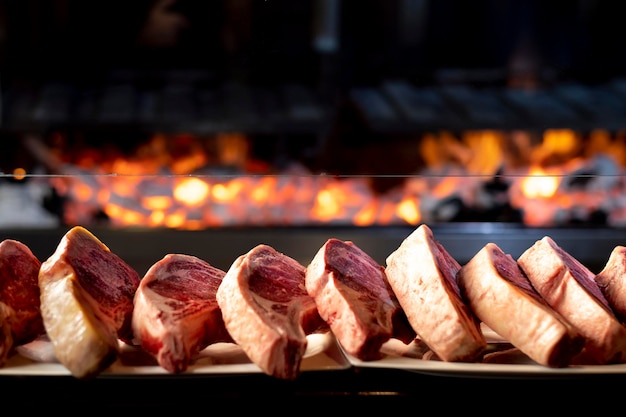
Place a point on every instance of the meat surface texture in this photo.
(503, 298)
(570, 289)
(267, 311)
(353, 296)
(612, 282)
(87, 296)
(176, 314)
(19, 290)
(422, 274)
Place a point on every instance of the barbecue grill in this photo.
(309, 85)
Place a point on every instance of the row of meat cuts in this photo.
(86, 302)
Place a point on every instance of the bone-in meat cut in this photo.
(353, 296)
(612, 282)
(267, 311)
(499, 293)
(422, 274)
(570, 288)
(176, 314)
(19, 290)
(87, 296)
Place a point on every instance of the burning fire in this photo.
(184, 182)
(539, 184)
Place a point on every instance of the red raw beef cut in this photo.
(501, 296)
(87, 296)
(612, 282)
(176, 314)
(19, 290)
(267, 310)
(353, 296)
(570, 289)
(422, 274)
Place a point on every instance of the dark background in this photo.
(85, 69)
(274, 39)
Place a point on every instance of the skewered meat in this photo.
(570, 289)
(422, 274)
(267, 310)
(86, 302)
(499, 293)
(19, 290)
(176, 313)
(612, 282)
(353, 296)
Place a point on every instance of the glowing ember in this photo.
(191, 191)
(538, 184)
(408, 210)
(182, 182)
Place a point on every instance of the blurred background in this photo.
(312, 112)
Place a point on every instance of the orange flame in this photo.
(191, 191)
(158, 187)
(538, 184)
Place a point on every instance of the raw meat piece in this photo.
(612, 282)
(422, 274)
(176, 313)
(499, 293)
(267, 310)
(570, 289)
(19, 290)
(86, 302)
(353, 296)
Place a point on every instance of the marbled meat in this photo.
(570, 289)
(267, 310)
(422, 274)
(499, 293)
(19, 290)
(353, 296)
(87, 296)
(176, 314)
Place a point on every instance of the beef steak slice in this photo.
(422, 274)
(19, 290)
(267, 310)
(86, 302)
(570, 289)
(353, 296)
(499, 293)
(175, 313)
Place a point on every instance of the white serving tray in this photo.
(323, 353)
